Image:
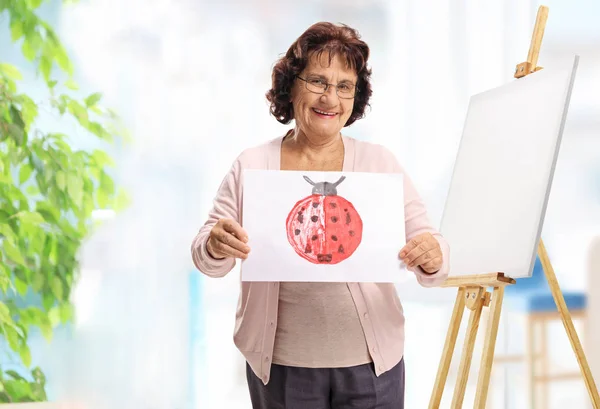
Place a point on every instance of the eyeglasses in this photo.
(320, 86)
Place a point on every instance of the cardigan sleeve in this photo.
(417, 222)
(226, 205)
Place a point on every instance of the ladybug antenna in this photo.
(340, 180)
(324, 188)
(308, 180)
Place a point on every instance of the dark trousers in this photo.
(355, 387)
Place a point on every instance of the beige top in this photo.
(318, 327)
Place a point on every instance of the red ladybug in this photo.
(324, 228)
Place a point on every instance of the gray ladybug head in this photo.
(324, 188)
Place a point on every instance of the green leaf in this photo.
(14, 375)
(39, 376)
(107, 183)
(61, 180)
(4, 313)
(16, 118)
(37, 282)
(8, 233)
(16, 133)
(46, 67)
(67, 313)
(12, 336)
(49, 212)
(57, 287)
(75, 188)
(93, 99)
(11, 71)
(21, 286)
(101, 158)
(48, 300)
(16, 30)
(13, 253)
(79, 112)
(98, 130)
(4, 280)
(24, 173)
(72, 85)
(19, 390)
(62, 59)
(33, 218)
(28, 50)
(29, 110)
(54, 316)
(95, 109)
(34, 4)
(25, 354)
(46, 328)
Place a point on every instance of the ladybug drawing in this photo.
(324, 228)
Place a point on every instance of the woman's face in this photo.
(322, 116)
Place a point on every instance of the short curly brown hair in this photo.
(318, 38)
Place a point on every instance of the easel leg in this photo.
(467, 355)
(569, 327)
(489, 346)
(442, 375)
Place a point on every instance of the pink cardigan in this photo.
(378, 305)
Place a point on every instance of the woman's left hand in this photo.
(423, 251)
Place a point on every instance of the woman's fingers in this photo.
(228, 239)
(433, 265)
(226, 250)
(420, 250)
(233, 227)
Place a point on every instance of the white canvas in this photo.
(270, 197)
(503, 173)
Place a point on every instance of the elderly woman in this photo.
(319, 345)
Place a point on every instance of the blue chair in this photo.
(532, 298)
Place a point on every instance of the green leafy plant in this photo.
(48, 190)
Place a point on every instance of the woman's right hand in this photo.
(227, 239)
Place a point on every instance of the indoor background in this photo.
(189, 78)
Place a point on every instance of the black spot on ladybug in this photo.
(345, 210)
(297, 232)
(347, 218)
(308, 249)
(314, 218)
(314, 237)
(341, 249)
(333, 205)
(334, 219)
(303, 208)
(324, 258)
(334, 237)
(300, 217)
(315, 204)
(351, 233)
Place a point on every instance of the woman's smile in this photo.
(321, 113)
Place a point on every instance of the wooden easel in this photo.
(473, 293)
